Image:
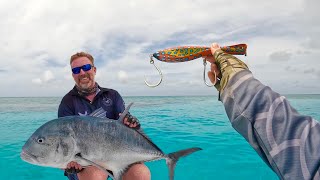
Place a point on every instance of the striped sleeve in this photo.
(286, 140)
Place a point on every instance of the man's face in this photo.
(85, 79)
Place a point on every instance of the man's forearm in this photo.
(287, 141)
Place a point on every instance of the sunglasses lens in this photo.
(76, 70)
(86, 67)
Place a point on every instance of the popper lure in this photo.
(189, 53)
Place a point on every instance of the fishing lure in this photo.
(188, 53)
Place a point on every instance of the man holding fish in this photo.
(84, 98)
(104, 146)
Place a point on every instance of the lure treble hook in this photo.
(159, 71)
(204, 75)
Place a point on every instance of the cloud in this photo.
(308, 22)
(42, 35)
(280, 56)
(37, 81)
(47, 76)
(123, 77)
(304, 70)
(312, 71)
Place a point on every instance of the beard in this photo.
(86, 85)
(85, 81)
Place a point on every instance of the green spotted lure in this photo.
(188, 53)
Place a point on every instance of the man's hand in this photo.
(214, 73)
(131, 121)
(73, 167)
(223, 67)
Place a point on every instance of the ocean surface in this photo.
(173, 123)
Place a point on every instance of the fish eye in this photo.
(40, 140)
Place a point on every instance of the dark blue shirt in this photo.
(74, 104)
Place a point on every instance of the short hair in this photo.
(82, 54)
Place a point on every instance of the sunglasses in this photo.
(85, 67)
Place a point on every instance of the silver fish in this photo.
(95, 140)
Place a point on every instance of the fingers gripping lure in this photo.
(189, 53)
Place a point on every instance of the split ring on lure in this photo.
(188, 53)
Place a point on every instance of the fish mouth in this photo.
(28, 157)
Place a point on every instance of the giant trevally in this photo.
(95, 140)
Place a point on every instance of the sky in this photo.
(38, 37)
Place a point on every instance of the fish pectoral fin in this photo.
(117, 175)
(93, 164)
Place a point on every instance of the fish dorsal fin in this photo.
(120, 120)
(101, 113)
(148, 139)
(124, 113)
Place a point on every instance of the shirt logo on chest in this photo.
(84, 114)
(107, 102)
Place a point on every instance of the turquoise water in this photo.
(173, 123)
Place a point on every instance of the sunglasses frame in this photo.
(85, 68)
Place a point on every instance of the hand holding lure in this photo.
(188, 53)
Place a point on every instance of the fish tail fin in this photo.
(172, 159)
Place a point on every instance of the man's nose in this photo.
(82, 72)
